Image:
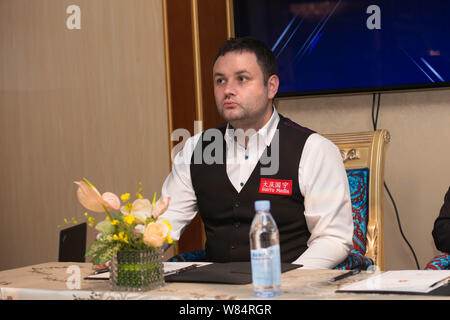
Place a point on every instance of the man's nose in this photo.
(230, 89)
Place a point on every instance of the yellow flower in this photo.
(141, 209)
(169, 239)
(91, 221)
(139, 196)
(168, 224)
(125, 197)
(129, 219)
(115, 222)
(122, 237)
(128, 207)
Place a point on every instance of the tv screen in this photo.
(342, 46)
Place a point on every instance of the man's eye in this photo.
(242, 79)
(220, 81)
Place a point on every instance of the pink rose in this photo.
(155, 233)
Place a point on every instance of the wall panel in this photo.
(76, 103)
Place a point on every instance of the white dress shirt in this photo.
(322, 180)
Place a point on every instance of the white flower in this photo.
(140, 228)
(143, 209)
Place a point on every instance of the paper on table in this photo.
(414, 281)
(100, 276)
(169, 267)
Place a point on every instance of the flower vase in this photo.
(137, 270)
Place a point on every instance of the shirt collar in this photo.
(266, 132)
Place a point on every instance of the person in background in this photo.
(262, 156)
(441, 229)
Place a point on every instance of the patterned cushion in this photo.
(359, 193)
(440, 262)
(358, 180)
(355, 260)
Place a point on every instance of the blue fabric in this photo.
(191, 256)
(358, 180)
(440, 262)
(355, 260)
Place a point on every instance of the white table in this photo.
(56, 280)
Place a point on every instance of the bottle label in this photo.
(266, 266)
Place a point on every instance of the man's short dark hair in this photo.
(265, 57)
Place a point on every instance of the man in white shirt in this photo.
(259, 154)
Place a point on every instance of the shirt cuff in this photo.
(323, 253)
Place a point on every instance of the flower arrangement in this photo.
(135, 226)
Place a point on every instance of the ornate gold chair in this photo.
(363, 154)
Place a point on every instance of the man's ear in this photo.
(272, 86)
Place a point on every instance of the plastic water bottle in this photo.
(265, 252)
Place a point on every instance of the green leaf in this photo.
(106, 253)
(95, 247)
(105, 227)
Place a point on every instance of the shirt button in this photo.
(237, 224)
(242, 184)
(236, 204)
(233, 247)
(246, 157)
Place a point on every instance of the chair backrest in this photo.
(363, 154)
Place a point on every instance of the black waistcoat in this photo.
(227, 214)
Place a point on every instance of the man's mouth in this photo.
(229, 104)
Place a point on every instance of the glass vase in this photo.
(137, 270)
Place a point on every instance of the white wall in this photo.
(76, 103)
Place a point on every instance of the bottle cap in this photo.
(262, 205)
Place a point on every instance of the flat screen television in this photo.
(343, 46)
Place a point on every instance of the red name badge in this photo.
(275, 186)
